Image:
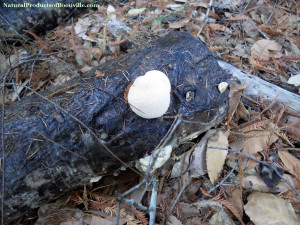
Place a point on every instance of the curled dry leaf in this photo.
(290, 161)
(264, 208)
(243, 112)
(198, 165)
(235, 94)
(193, 159)
(215, 158)
(256, 141)
(264, 49)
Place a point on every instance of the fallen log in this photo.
(257, 87)
(63, 139)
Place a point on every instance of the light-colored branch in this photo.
(258, 87)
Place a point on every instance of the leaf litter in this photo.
(260, 37)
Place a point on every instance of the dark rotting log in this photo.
(48, 152)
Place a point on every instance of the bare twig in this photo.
(118, 210)
(254, 25)
(152, 207)
(186, 184)
(205, 18)
(222, 181)
(137, 205)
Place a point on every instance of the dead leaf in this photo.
(97, 220)
(134, 12)
(221, 218)
(82, 26)
(243, 112)
(257, 141)
(265, 208)
(240, 50)
(238, 143)
(236, 200)
(111, 12)
(219, 27)
(250, 30)
(265, 49)
(295, 80)
(60, 79)
(239, 18)
(293, 126)
(198, 165)
(179, 24)
(215, 158)
(256, 183)
(290, 161)
(235, 94)
(172, 220)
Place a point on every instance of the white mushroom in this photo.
(149, 95)
(222, 86)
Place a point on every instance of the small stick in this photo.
(205, 18)
(186, 184)
(152, 207)
(223, 180)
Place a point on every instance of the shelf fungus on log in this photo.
(48, 152)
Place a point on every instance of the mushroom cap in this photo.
(149, 95)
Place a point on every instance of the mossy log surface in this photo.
(48, 153)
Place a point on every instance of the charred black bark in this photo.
(48, 153)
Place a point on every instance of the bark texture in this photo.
(48, 153)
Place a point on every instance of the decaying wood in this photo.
(58, 143)
(257, 87)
